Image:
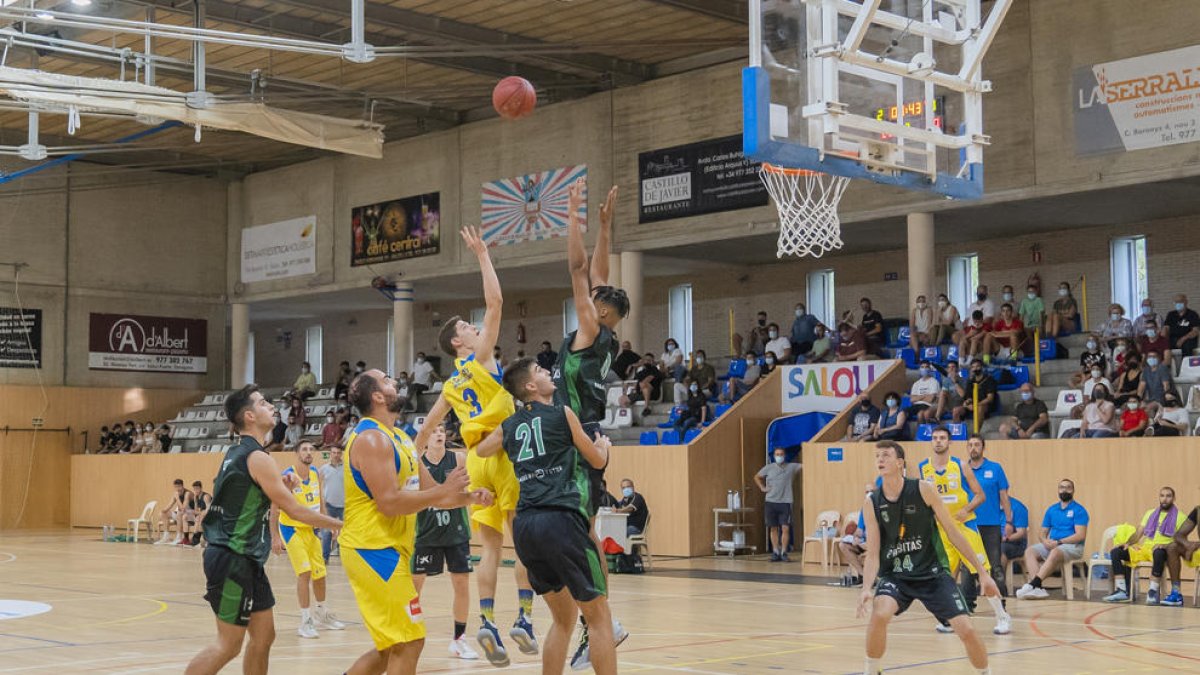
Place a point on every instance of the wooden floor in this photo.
(122, 608)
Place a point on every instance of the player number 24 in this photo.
(905, 565)
(528, 437)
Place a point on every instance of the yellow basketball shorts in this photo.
(304, 550)
(954, 558)
(495, 473)
(386, 596)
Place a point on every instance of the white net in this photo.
(808, 209)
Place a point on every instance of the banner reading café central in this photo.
(153, 344)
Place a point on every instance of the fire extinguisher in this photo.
(520, 333)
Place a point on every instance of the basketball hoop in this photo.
(807, 203)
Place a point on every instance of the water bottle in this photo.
(737, 500)
(729, 499)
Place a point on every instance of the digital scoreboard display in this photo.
(913, 113)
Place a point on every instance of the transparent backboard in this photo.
(889, 90)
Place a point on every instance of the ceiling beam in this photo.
(439, 30)
(737, 11)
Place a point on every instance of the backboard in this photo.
(887, 90)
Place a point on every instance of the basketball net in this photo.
(808, 209)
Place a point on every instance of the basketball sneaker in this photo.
(944, 628)
(582, 660)
(324, 618)
(522, 633)
(1152, 596)
(1173, 599)
(489, 639)
(1028, 592)
(307, 629)
(460, 649)
(1119, 596)
(1003, 625)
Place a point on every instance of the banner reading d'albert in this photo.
(153, 344)
(828, 387)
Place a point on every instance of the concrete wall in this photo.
(98, 242)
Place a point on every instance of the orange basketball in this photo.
(514, 98)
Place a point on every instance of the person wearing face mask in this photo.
(1129, 382)
(1134, 419)
(703, 374)
(803, 330)
(862, 420)
(822, 346)
(973, 337)
(1064, 320)
(342, 385)
(871, 326)
(1031, 417)
(695, 411)
(920, 325)
(954, 390)
(1147, 543)
(1146, 316)
(648, 384)
(1099, 417)
(924, 395)
(306, 383)
(1116, 325)
(1151, 339)
(671, 361)
(1092, 358)
(775, 480)
(757, 336)
(853, 346)
(1169, 419)
(736, 387)
(983, 304)
(626, 362)
(150, 439)
(1064, 529)
(987, 394)
(633, 503)
(331, 432)
(1006, 334)
(1183, 326)
(1006, 293)
(892, 424)
(948, 323)
(778, 345)
(423, 375)
(769, 363)
(1032, 311)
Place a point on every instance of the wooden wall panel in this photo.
(659, 473)
(35, 470)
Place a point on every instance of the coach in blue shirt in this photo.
(1064, 527)
(994, 512)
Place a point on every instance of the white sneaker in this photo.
(177, 541)
(944, 629)
(1024, 591)
(460, 649)
(1039, 593)
(307, 629)
(1003, 625)
(619, 633)
(324, 618)
(165, 539)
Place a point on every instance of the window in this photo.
(249, 359)
(312, 350)
(680, 316)
(570, 318)
(1129, 283)
(962, 278)
(820, 297)
(477, 317)
(390, 348)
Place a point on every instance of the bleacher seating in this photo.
(648, 438)
(670, 437)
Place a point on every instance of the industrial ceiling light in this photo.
(44, 16)
(81, 3)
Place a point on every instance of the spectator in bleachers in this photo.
(102, 441)
(295, 431)
(892, 423)
(983, 304)
(768, 365)
(359, 367)
(703, 374)
(137, 444)
(423, 376)
(342, 385)
(1006, 334)
(1062, 321)
(331, 433)
(671, 362)
(1120, 351)
(778, 345)
(1183, 326)
(924, 395)
(348, 429)
(1116, 325)
(1129, 382)
(625, 362)
(1016, 532)
(1148, 542)
(987, 394)
(1099, 417)
(757, 337)
(871, 325)
(1095, 377)
(1006, 293)
(647, 384)
(164, 437)
(1032, 311)
(547, 357)
(1064, 529)
(296, 409)
(862, 420)
(1031, 418)
(736, 387)
(953, 391)
(853, 346)
(921, 325)
(804, 328)
(695, 409)
(1171, 418)
(1146, 318)
(1091, 359)
(499, 357)
(775, 481)
(150, 439)
(633, 503)
(974, 337)
(404, 391)
(1134, 419)
(949, 323)
(1151, 339)
(305, 385)
(822, 346)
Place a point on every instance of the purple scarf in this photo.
(1168, 528)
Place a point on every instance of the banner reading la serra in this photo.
(156, 344)
(279, 250)
(828, 387)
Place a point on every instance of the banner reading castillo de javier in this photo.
(156, 344)
(395, 230)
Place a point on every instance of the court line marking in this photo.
(11, 557)
(1033, 625)
(1088, 623)
(56, 643)
(741, 657)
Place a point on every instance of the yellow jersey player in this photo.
(958, 489)
(303, 546)
(475, 394)
(386, 486)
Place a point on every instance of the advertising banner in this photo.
(280, 250)
(156, 344)
(532, 207)
(20, 338)
(827, 387)
(398, 229)
(690, 180)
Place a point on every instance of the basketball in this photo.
(514, 98)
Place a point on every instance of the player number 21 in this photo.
(527, 437)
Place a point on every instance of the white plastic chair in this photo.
(1106, 545)
(1067, 425)
(641, 540)
(622, 418)
(1193, 400)
(851, 517)
(825, 521)
(1067, 400)
(612, 396)
(609, 420)
(1189, 370)
(134, 524)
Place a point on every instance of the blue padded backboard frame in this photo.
(759, 146)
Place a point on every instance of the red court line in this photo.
(1088, 622)
(1033, 625)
